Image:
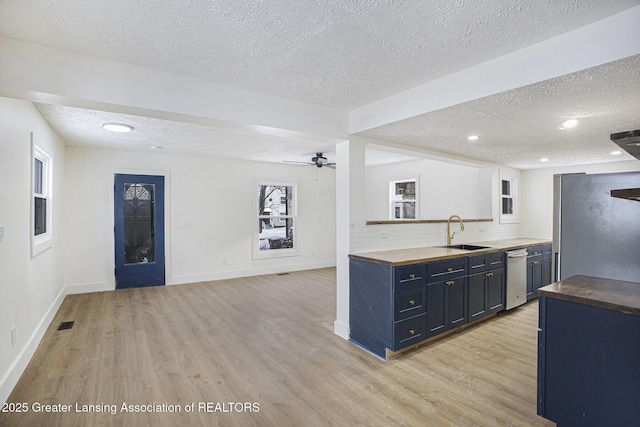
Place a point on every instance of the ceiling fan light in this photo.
(117, 127)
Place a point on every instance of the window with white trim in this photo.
(276, 220)
(508, 198)
(41, 200)
(403, 199)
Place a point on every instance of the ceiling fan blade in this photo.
(298, 163)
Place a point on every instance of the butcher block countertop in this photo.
(609, 294)
(400, 257)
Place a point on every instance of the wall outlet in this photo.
(13, 336)
(384, 235)
(2, 233)
(224, 261)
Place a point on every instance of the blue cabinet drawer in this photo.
(410, 275)
(495, 260)
(409, 331)
(445, 270)
(535, 252)
(410, 302)
(478, 263)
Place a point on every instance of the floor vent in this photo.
(65, 325)
(282, 274)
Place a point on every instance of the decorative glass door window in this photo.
(138, 223)
(403, 196)
(276, 217)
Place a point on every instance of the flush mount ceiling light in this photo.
(472, 137)
(117, 127)
(616, 153)
(544, 159)
(568, 124)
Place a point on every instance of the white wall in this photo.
(31, 288)
(444, 189)
(211, 213)
(537, 194)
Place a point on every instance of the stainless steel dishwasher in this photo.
(516, 278)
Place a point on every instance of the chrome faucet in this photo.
(449, 235)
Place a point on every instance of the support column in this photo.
(350, 202)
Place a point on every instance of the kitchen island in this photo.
(400, 298)
(589, 352)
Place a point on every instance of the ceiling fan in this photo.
(319, 161)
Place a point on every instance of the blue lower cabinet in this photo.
(446, 305)
(409, 302)
(588, 365)
(486, 294)
(436, 313)
(477, 296)
(396, 307)
(409, 331)
(496, 287)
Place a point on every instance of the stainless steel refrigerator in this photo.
(596, 226)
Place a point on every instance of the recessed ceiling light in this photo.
(568, 124)
(117, 127)
(472, 137)
(615, 153)
(544, 159)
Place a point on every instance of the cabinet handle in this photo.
(489, 274)
(450, 269)
(412, 276)
(412, 302)
(450, 282)
(535, 262)
(412, 332)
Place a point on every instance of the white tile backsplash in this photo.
(378, 237)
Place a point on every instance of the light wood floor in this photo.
(269, 340)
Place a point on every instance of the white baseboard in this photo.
(232, 274)
(9, 381)
(88, 288)
(341, 329)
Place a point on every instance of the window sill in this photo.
(509, 220)
(40, 244)
(275, 253)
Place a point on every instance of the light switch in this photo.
(2, 233)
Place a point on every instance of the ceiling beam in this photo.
(42, 74)
(607, 40)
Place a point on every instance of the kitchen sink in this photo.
(466, 247)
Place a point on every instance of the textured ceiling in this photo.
(343, 54)
(338, 53)
(83, 128)
(520, 127)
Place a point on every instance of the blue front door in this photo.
(139, 230)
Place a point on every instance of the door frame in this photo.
(110, 231)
